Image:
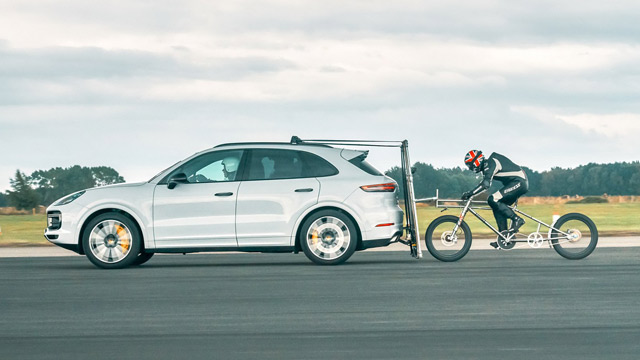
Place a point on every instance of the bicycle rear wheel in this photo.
(581, 236)
(443, 244)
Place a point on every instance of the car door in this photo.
(272, 197)
(200, 210)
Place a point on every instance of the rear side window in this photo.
(315, 166)
(362, 164)
(272, 164)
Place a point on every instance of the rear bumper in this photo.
(383, 224)
(369, 244)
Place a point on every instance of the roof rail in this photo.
(375, 143)
(300, 142)
(295, 140)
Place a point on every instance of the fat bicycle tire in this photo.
(429, 240)
(566, 252)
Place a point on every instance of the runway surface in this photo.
(530, 304)
(478, 244)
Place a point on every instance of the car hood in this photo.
(122, 185)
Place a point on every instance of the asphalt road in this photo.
(379, 305)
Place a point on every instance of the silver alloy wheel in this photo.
(110, 241)
(328, 238)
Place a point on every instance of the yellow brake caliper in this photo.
(314, 237)
(123, 237)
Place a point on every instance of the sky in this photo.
(139, 85)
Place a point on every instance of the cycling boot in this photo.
(495, 245)
(516, 224)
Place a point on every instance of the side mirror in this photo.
(179, 178)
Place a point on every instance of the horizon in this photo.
(146, 86)
(384, 171)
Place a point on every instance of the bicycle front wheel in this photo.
(443, 244)
(577, 236)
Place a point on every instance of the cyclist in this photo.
(499, 167)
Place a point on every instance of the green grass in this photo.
(18, 230)
(611, 219)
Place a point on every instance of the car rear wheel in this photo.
(328, 237)
(112, 241)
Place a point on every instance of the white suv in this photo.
(254, 197)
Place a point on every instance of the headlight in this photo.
(70, 198)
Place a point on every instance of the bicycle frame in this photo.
(468, 208)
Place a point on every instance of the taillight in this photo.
(389, 187)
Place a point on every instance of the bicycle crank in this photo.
(508, 243)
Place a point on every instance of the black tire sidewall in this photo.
(588, 250)
(428, 239)
(352, 232)
(136, 240)
(142, 258)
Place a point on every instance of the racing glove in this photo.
(467, 195)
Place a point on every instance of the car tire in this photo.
(112, 241)
(328, 237)
(142, 258)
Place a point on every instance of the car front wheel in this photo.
(112, 241)
(328, 237)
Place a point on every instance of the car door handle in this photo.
(304, 190)
(224, 194)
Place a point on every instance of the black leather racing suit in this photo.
(499, 167)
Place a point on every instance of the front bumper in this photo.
(66, 236)
(52, 239)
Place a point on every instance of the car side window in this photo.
(216, 166)
(315, 166)
(272, 164)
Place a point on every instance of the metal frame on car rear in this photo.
(412, 232)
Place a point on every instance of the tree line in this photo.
(586, 180)
(43, 187)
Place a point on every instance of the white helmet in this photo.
(230, 164)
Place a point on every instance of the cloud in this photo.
(138, 85)
(610, 125)
(568, 135)
(73, 22)
(615, 125)
(367, 68)
(97, 63)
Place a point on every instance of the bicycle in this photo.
(448, 238)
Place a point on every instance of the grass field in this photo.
(611, 219)
(22, 230)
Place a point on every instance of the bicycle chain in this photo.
(526, 244)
